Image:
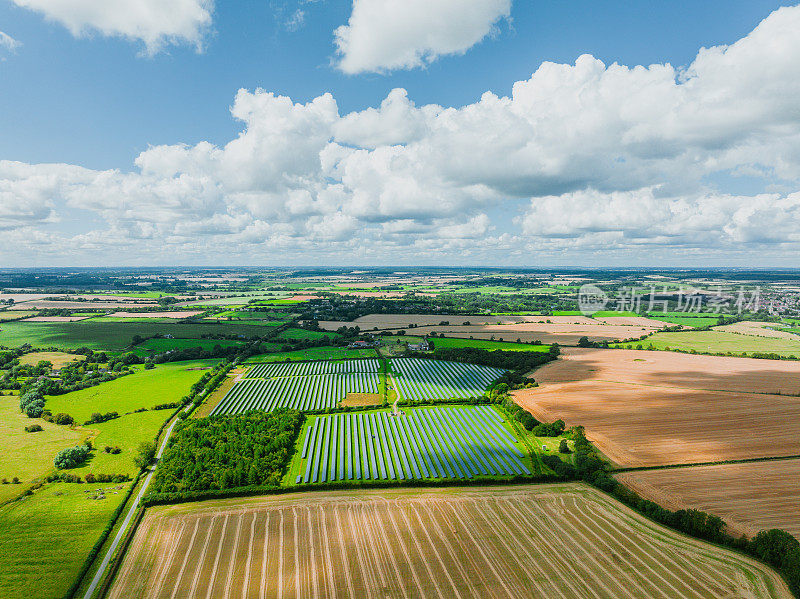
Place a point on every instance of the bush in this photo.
(97, 417)
(31, 403)
(71, 457)
(63, 419)
(33, 428)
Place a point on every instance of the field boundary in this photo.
(700, 464)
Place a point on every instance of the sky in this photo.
(387, 132)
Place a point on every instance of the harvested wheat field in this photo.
(646, 408)
(750, 497)
(56, 318)
(757, 329)
(56, 358)
(566, 330)
(543, 541)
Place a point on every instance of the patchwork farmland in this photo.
(554, 541)
(418, 379)
(442, 442)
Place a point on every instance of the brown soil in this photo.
(361, 399)
(654, 408)
(566, 330)
(749, 497)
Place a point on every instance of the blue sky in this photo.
(97, 99)
(96, 102)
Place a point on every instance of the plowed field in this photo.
(749, 497)
(654, 408)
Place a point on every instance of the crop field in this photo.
(300, 385)
(419, 379)
(451, 442)
(315, 353)
(542, 331)
(447, 342)
(57, 359)
(559, 541)
(717, 341)
(97, 335)
(758, 329)
(750, 497)
(646, 408)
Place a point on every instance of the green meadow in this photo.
(143, 389)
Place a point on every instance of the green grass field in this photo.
(295, 334)
(126, 432)
(99, 335)
(157, 346)
(46, 538)
(688, 321)
(29, 455)
(718, 342)
(316, 353)
(490, 345)
(143, 389)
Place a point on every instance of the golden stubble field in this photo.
(750, 497)
(537, 541)
(646, 408)
(547, 329)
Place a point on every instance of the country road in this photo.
(129, 516)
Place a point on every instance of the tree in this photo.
(71, 457)
(146, 454)
(584, 342)
(563, 447)
(63, 419)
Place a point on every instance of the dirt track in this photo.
(653, 408)
(564, 541)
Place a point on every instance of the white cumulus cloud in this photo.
(384, 35)
(155, 23)
(585, 158)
